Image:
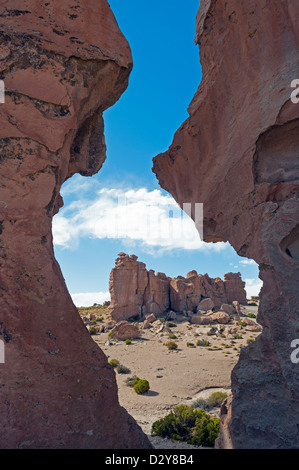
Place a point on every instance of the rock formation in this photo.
(238, 151)
(63, 63)
(137, 292)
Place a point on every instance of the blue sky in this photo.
(123, 208)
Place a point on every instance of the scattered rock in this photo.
(124, 330)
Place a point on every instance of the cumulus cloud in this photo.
(136, 216)
(253, 287)
(88, 299)
(248, 262)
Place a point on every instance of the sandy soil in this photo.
(177, 376)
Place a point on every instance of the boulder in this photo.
(124, 330)
(205, 305)
(220, 317)
(230, 309)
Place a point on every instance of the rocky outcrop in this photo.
(238, 151)
(63, 63)
(136, 292)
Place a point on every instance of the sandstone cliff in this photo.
(63, 63)
(237, 153)
(137, 292)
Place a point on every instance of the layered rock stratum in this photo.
(63, 63)
(237, 153)
(137, 292)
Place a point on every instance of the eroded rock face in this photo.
(136, 292)
(238, 150)
(63, 63)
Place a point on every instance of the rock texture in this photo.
(237, 153)
(137, 292)
(63, 63)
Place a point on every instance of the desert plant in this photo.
(93, 330)
(172, 335)
(190, 345)
(132, 381)
(203, 342)
(236, 336)
(251, 315)
(216, 399)
(128, 342)
(171, 345)
(185, 423)
(121, 369)
(170, 324)
(114, 362)
(141, 386)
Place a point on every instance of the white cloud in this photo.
(253, 287)
(248, 262)
(88, 299)
(136, 216)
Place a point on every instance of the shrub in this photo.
(171, 345)
(194, 426)
(201, 403)
(128, 341)
(236, 336)
(93, 330)
(216, 399)
(190, 345)
(141, 386)
(251, 315)
(203, 342)
(121, 369)
(132, 381)
(114, 363)
(172, 336)
(171, 324)
(250, 340)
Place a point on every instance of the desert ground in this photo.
(175, 376)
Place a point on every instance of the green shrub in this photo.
(171, 324)
(194, 426)
(171, 345)
(141, 386)
(93, 330)
(216, 399)
(114, 363)
(203, 342)
(128, 341)
(132, 381)
(251, 315)
(190, 345)
(172, 336)
(236, 336)
(250, 340)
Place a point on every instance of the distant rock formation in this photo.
(137, 292)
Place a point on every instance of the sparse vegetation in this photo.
(185, 423)
(171, 345)
(203, 342)
(114, 363)
(121, 369)
(141, 386)
(251, 315)
(93, 330)
(128, 342)
(190, 345)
